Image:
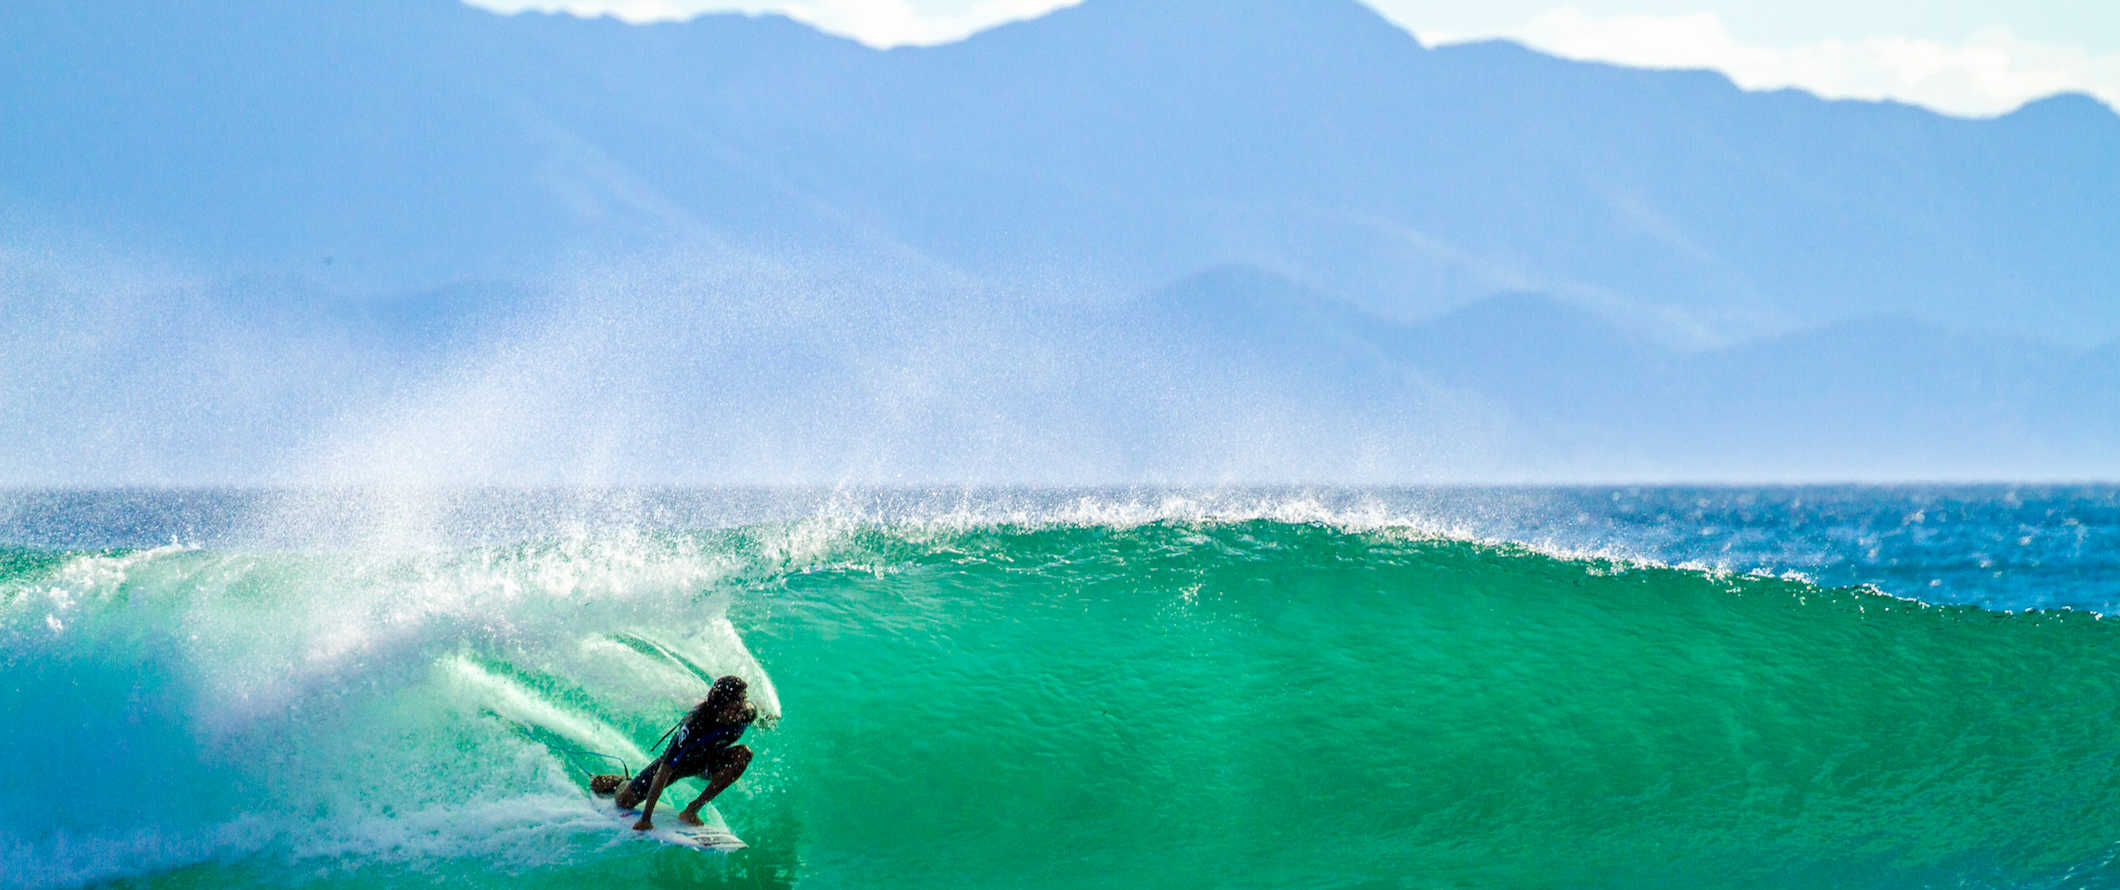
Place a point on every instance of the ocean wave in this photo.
(1114, 682)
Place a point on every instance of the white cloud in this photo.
(629, 10)
(880, 23)
(1991, 72)
(898, 22)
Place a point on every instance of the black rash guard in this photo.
(696, 748)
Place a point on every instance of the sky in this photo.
(1964, 57)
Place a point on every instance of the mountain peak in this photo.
(2065, 108)
(1247, 22)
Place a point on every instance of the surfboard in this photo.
(670, 830)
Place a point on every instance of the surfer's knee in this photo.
(739, 757)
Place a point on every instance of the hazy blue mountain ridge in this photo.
(1877, 393)
(1251, 239)
(1142, 141)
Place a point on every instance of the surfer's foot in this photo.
(690, 818)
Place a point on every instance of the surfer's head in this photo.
(725, 698)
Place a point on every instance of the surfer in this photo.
(703, 744)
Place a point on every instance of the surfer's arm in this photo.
(655, 790)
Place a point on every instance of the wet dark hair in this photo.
(726, 691)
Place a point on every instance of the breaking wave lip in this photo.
(1559, 522)
(642, 541)
(819, 533)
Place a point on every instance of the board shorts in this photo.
(689, 763)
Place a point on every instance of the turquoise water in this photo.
(1077, 691)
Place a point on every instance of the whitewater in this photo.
(1539, 687)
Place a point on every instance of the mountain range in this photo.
(1254, 240)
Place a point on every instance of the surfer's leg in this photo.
(637, 790)
(726, 772)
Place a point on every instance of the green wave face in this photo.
(1173, 704)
